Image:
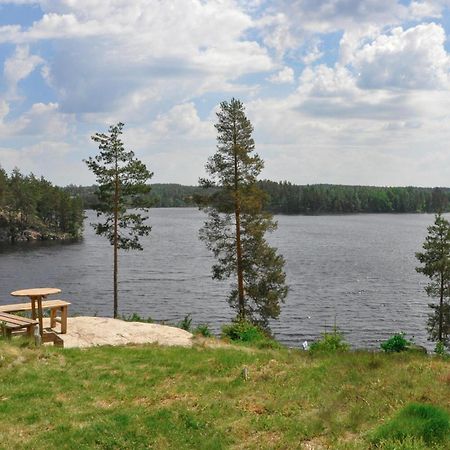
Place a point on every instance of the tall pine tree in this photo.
(236, 225)
(122, 181)
(435, 260)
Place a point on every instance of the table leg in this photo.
(33, 308)
(39, 302)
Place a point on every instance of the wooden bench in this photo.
(53, 305)
(10, 323)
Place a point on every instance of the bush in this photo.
(247, 332)
(186, 323)
(397, 343)
(243, 331)
(428, 423)
(203, 330)
(137, 318)
(330, 343)
(440, 349)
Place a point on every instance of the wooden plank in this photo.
(15, 326)
(6, 316)
(46, 304)
(11, 326)
(16, 320)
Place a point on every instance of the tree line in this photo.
(288, 198)
(160, 195)
(31, 205)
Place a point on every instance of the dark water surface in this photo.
(357, 270)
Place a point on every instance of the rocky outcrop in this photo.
(93, 331)
(31, 235)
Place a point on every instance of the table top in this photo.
(35, 292)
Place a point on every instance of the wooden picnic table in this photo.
(36, 295)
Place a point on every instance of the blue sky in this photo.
(338, 91)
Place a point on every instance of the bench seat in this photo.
(53, 305)
(10, 323)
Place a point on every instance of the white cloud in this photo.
(19, 66)
(289, 24)
(101, 65)
(41, 121)
(313, 53)
(406, 59)
(4, 109)
(285, 75)
(49, 157)
(309, 147)
(426, 8)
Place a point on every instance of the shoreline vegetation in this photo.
(315, 199)
(33, 209)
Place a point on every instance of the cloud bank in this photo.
(339, 91)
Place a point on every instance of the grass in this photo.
(427, 423)
(140, 397)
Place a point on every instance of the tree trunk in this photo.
(237, 211)
(115, 243)
(441, 306)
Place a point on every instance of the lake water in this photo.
(357, 271)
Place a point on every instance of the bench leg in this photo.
(30, 331)
(64, 319)
(33, 309)
(53, 317)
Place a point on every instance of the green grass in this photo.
(152, 397)
(426, 423)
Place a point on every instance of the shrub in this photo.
(330, 343)
(247, 332)
(440, 349)
(203, 330)
(428, 423)
(243, 331)
(137, 318)
(186, 323)
(396, 343)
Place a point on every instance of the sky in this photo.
(338, 91)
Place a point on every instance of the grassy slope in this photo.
(152, 397)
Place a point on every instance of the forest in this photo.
(32, 208)
(287, 198)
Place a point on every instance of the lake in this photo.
(357, 271)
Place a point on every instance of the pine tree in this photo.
(236, 225)
(436, 266)
(122, 184)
